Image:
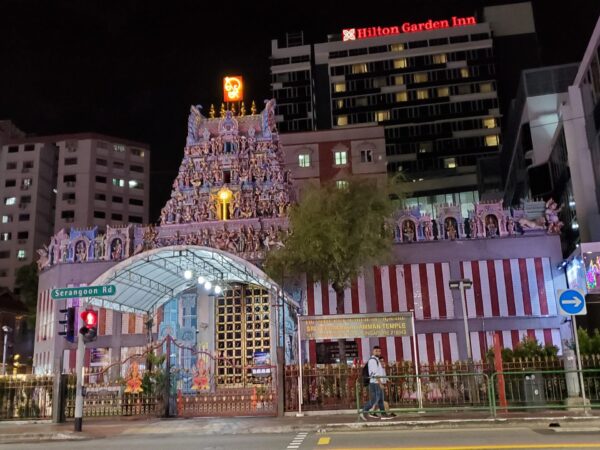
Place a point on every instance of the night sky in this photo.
(132, 68)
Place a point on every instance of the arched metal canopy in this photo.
(147, 280)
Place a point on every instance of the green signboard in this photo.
(84, 291)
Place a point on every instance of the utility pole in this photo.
(461, 285)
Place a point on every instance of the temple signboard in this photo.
(349, 326)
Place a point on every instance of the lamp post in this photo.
(6, 330)
(461, 285)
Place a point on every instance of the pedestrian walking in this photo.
(376, 376)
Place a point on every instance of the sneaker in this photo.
(362, 417)
(374, 416)
(387, 416)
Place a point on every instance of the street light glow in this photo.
(187, 274)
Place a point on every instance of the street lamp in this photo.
(6, 330)
(461, 285)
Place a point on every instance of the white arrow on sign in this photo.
(573, 301)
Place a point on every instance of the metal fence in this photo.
(25, 397)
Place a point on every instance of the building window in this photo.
(23, 235)
(440, 59)
(5, 236)
(486, 87)
(382, 116)
(70, 161)
(118, 182)
(99, 214)
(397, 47)
(25, 199)
(341, 158)
(135, 219)
(134, 184)
(11, 165)
(341, 121)
(21, 255)
(10, 183)
(422, 94)
(361, 101)
(339, 104)
(6, 219)
(28, 165)
(443, 92)
(421, 77)
(118, 164)
(137, 152)
(359, 68)
(341, 184)
(69, 214)
(492, 140)
(339, 87)
(23, 217)
(69, 197)
(115, 216)
(304, 160)
(13, 149)
(26, 182)
(425, 147)
(450, 163)
(139, 169)
(119, 148)
(399, 79)
(401, 96)
(117, 199)
(3, 273)
(490, 122)
(10, 200)
(400, 63)
(5, 254)
(29, 147)
(136, 202)
(70, 180)
(101, 162)
(100, 179)
(99, 196)
(464, 72)
(366, 156)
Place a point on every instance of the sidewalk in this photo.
(94, 428)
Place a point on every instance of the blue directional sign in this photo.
(571, 302)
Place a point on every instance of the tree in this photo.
(335, 232)
(589, 343)
(27, 284)
(528, 348)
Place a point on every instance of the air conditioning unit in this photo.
(22, 241)
(71, 201)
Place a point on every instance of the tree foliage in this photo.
(528, 348)
(27, 283)
(335, 232)
(589, 343)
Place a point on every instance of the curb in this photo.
(35, 437)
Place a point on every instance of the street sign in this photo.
(571, 302)
(84, 291)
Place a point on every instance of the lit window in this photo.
(421, 77)
(304, 160)
(492, 140)
(5, 236)
(450, 163)
(399, 79)
(359, 68)
(26, 182)
(422, 94)
(341, 158)
(342, 121)
(118, 182)
(366, 156)
(400, 63)
(6, 219)
(133, 183)
(21, 255)
(339, 104)
(341, 184)
(119, 148)
(10, 200)
(425, 147)
(339, 87)
(401, 96)
(489, 123)
(464, 72)
(382, 116)
(440, 59)
(486, 87)
(397, 47)
(137, 152)
(443, 92)
(361, 101)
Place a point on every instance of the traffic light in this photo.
(89, 330)
(68, 323)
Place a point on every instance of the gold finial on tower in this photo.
(233, 109)
(222, 112)
(243, 109)
(253, 108)
(212, 113)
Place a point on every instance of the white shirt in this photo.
(376, 370)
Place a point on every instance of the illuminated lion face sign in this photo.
(233, 89)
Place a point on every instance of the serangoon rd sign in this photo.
(353, 34)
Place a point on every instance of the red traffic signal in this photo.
(89, 318)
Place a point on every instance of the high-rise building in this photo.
(432, 85)
(63, 181)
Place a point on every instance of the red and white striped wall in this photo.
(510, 287)
(45, 316)
(481, 341)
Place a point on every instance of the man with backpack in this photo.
(375, 374)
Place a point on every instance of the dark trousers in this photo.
(375, 397)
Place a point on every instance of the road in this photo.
(497, 438)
